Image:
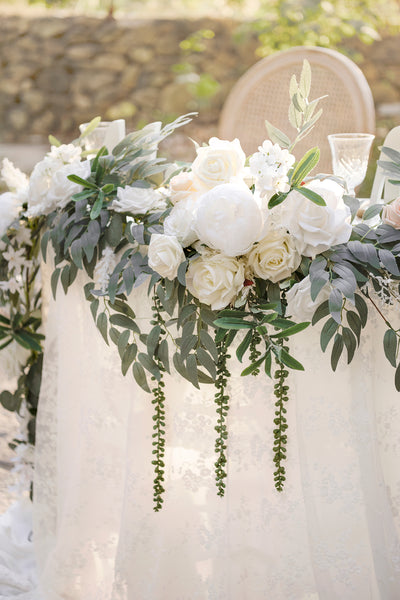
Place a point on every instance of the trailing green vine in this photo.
(222, 402)
(281, 390)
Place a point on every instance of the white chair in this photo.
(382, 190)
(263, 93)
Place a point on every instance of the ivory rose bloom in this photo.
(317, 228)
(9, 210)
(391, 214)
(180, 222)
(219, 162)
(215, 279)
(61, 188)
(228, 219)
(275, 257)
(300, 305)
(136, 200)
(184, 186)
(165, 255)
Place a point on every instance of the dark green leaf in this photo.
(232, 323)
(162, 353)
(152, 340)
(388, 261)
(328, 331)
(187, 344)
(337, 350)
(76, 252)
(97, 206)
(182, 273)
(94, 308)
(243, 346)
(209, 344)
(311, 195)
(114, 335)
(390, 346)
(362, 308)
(54, 281)
(277, 199)
(354, 322)
(149, 365)
(114, 230)
(253, 366)
(291, 330)
(321, 312)
(10, 401)
(350, 343)
(268, 363)
(191, 369)
(289, 361)
(84, 182)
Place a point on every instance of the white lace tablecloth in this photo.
(332, 534)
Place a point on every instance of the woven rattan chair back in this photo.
(263, 93)
(381, 188)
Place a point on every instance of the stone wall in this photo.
(58, 72)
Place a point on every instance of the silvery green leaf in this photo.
(353, 203)
(182, 273)
(393, 154)
(372, 211)
(114, 230)
(102, 325)
(305, 79)
(293, 86)
(162, 353)
(321, 312)
(123, 307)
(152, 340)
(149, 365)
(397, 378)
(207, 362)
(128, 357)
(388, 261)
(365, 253)
(337, 350)
(277, 136)
(295, 118)
(123, 321)
(310, 124)
(114, 335)
(289, 361)
(335, 304)
(191, 370)
(185, 313)
(94, 306)
(390, 346)
(243, 346)
(345, 273)
(91, 127)
(140, 376)
(123, 341)
(187, 344)
(290, 330)
(299, 103)
(209, 344)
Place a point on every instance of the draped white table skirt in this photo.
(333, 533)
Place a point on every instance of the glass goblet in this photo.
(350, 153)
(107, 133)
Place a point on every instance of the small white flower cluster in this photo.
(270, 166)
(235, 235)
(49, 186)
(104, 268)
(12, 200)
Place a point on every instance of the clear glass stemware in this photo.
(350, 154)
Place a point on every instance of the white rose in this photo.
(136, 200)
(61, 188)
(165, 255)
(275, 257)
(184, 186)
(9, 210)
(228, 219)
(300, 305)
(218, 162)
(317, 228)
(215, 279)
(179, 222)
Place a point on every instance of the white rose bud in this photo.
(136, 200)
(183, 186)
(215, 279)
(228, 219)
(300, 306)
(219, 162)
(165, 255)
(180, 222)
(317, 228)
(275, 257)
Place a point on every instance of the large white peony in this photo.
(317, 228)
(300, 305)
(215, 279)
(275, 257)
(136, 200)
(219, 162)
(228, 219)
(180, 222)
(165, 255)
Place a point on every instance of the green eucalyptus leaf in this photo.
(209, 344)
(205, 359)
(362, 308)
(291, 330)
(128, 357)
(163, 355)
(244, 345)
(390, 346)
(388, 261)
(233, 323)
(354, 322)
(152, 340)
(372, 211)
(277, 136)
(321, 312)
(337, 350)
(114, 335)
(192, 371)
(124, 321)
(350, 343)
(140, 376)
(123, 341)
(304, 166)
(311, 195)
(149, 365)
(54, 281)
(328, 331)
(268, 363)
(102, 325)
(289, 361)
(9, 401)
(187, 344)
